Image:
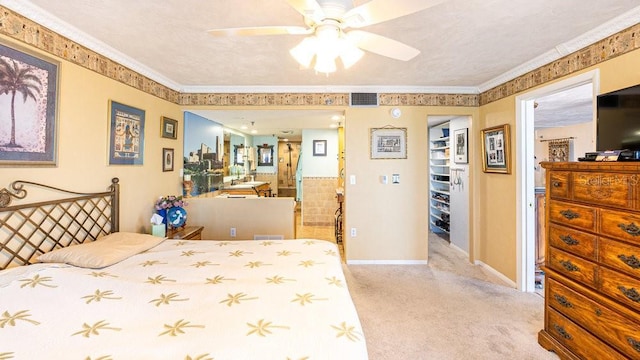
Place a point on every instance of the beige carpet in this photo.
(448, 309)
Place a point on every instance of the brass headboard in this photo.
(30, 229)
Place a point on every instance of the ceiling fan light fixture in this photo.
(350, 54)
(305, 51)
(325, 62)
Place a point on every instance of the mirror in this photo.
(265, 155)
(238, 154)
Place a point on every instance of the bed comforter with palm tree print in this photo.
(217, 300)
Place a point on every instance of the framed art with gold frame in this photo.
(169, 128)
(167, 159)
(496, 149)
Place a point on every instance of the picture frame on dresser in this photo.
(29, 121)
(496, 149)
(388, 143)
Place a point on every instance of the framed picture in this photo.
(167, 159)
(319, 147)
(169, 128)
(388, 143)
(265, 155)
(496, 149)
(28, 107)
(127, 135)
(461, 143)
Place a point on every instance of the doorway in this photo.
(449, 179)
(526, 171)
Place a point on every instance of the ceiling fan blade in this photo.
(261, 30)
(382, 45)
(309, 9)
(377, 11)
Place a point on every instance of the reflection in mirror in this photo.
(238, 154)
(265, 155)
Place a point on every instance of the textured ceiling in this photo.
(466, 45)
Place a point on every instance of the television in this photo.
(618, 126)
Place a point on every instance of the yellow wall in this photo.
(83, 145)
(495, 202)
(391, 220)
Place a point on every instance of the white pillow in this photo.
(105, 251)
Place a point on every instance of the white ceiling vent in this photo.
(364, 99)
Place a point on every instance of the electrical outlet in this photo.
(232, 232)
(353, 232)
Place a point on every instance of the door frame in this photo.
(525, 184)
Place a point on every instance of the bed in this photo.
(106, 294)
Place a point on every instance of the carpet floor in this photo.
(448, 309)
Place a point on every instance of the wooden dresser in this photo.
(592, 264)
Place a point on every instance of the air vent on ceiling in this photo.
(364, 99)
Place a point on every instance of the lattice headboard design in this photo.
(30, 229)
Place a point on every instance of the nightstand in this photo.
(186, 233)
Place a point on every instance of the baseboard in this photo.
(453, 246)
(499, 275)
(386, 262)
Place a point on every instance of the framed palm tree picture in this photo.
(28, 107)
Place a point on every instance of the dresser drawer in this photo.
(621, 226)
(559, 184)
(573, 267)
(608, 189)
(621, 287)
(582, 217)
(578, 340)
(601, 321)
(573, 241)
(621, 256)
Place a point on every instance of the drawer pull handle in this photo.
(562, 332)
(598, 312)
(631, 293)
(557, 184)
(569, 240)
(635, 344)
(568, 265)
(631, 229)
(563, 301)
(569, 215)
(632, 261)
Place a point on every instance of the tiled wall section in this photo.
(27, 31)
(270, 178)
(319, 202)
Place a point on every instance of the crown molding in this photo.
(609, 28)
(46, 19)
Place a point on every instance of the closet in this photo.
(449, 203)
(439, 177)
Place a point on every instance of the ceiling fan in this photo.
(327, 22)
